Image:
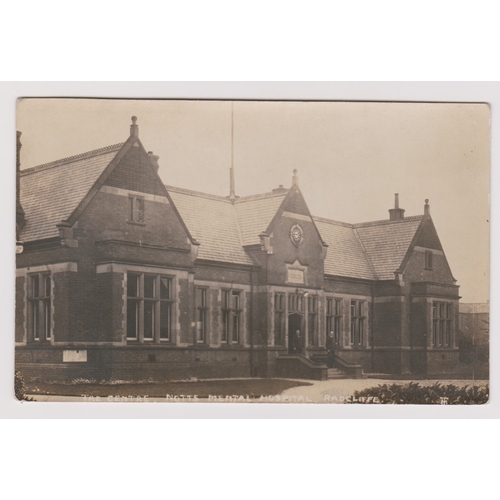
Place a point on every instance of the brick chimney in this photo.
(19, 209)
(154, 160)
(396, 213)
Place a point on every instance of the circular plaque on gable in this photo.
(296, 235)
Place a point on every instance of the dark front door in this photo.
(295, 334)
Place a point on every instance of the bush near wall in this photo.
(20, 388)
(414, 393)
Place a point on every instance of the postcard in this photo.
(252, 251)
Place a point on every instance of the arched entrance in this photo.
(295, 341)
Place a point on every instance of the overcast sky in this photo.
(351, 157)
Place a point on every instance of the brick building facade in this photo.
(123, 277)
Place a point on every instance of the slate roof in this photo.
(50, 192)
(370, 250)
(213, 223)
(386, 243)
(345, 256)
(255, 213)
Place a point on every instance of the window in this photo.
(357, 322)
(231, 316)
(39, 307)
(136, 204)
(295, 302)
(201, 314)
(442, 315)
(333, 318)
(312, 319)
(149, 307)
(279, 318)
(428, 260)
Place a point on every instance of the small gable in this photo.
(134, 172)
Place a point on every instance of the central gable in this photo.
(296, 250)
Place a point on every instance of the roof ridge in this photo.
(333, 222)
(387, 221)
(198, 193)
(259, 196)
(69, 159)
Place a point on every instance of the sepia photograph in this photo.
(244, 251)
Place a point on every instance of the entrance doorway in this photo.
(295, 340)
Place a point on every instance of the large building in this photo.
(123, 277)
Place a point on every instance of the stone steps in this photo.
(334, 373)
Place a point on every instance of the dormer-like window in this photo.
(136, 209)
(428, 260)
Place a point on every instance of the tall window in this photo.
(39, 306)
(295, 302)
(442, 316)
(136, 206)
(312, 319)
(428, 260)
(357, 322)
(333, 318)
(231, 316)
(201, 314)
(279, 318)
(149, 307)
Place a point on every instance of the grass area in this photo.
(247, 388)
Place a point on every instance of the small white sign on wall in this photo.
(295, 276)
(75, 356)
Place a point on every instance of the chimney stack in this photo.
(295, 178)
(396, 213)
(154, 160)
(134, 128)
(427, 208)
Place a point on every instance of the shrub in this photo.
(414, 393)
(20, 388)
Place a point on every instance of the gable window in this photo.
(333, 318)
(149, 307)
(428, 260)
(201, 314)
(279, 318)
(312, 318)
(357, 322)
(136, 209)
(39, 307)
(442, 314)
(231, 316)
